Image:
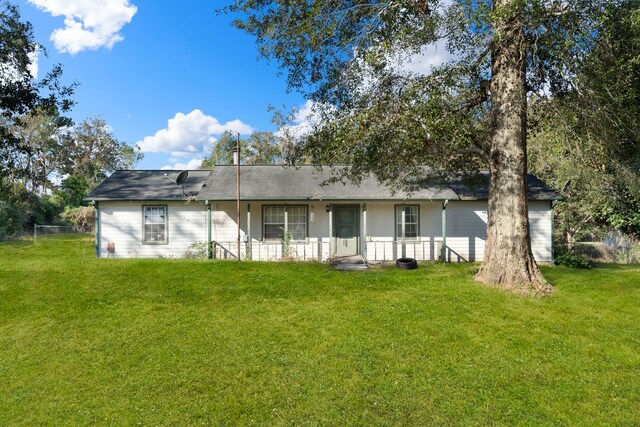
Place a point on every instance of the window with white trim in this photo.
(155, 224)
(277, 219)
(411, 221)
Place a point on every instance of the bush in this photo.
(83, 216)
(572, 260)
(197, 250)
(10, 220)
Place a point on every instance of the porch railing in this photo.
(374, 250)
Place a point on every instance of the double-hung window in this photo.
(278, 219)
(411, 215)
(155, 224)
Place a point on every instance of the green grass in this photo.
(174, 342)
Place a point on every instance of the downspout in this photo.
(237, 160)
(444, 230)
(97, 229)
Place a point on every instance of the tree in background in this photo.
(20, 93)
(91, 151)
(38, 133)
(586, 138)
(24, 100)
(260, 148)
(468, 113)
(38, 143)
(221, 152)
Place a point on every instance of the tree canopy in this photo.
(586, 138)
(260, 148)
(20, 92)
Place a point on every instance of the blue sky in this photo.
(167, 75)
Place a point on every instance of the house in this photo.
(294, 213)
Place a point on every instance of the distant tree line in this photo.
(259, 148)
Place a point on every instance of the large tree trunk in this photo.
(508, 260)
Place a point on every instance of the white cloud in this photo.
(192, 164)
(189, 133)
(89, 24)
(302, 121)
(423, 62)
(189, 152)
(10, 73)
(33, 64)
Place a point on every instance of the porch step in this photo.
(353, 262)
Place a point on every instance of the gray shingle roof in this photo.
(479, 190)
(303, 183)
(285, 183)
(147, 185)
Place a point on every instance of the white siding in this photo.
(541, 227)
(122, 223)
(466, 230)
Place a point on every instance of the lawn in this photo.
(174, 342)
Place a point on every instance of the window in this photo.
(297, 217)
(273, 218)
(411, 221)
(155, 224)
(277, 219)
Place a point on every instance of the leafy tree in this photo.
(20, 93)
(90, 150)
(221, 152)
(467, 113)
(73, 190)
(260, 148)
(588, 135)
(38, 157)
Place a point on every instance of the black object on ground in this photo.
(406, 263)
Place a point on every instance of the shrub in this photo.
(572, 260)
(197, 250)
(83, 216)
(10, 220)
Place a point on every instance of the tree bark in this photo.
(508, 259)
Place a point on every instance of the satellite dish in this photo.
(182, 177)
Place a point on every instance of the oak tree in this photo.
(354, 59)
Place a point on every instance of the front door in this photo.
(346, 229)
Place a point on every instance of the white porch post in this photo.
(444, 230)
(330, 209)
(404, 240)
(248, 244)
(207, 207)
(363, 238)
